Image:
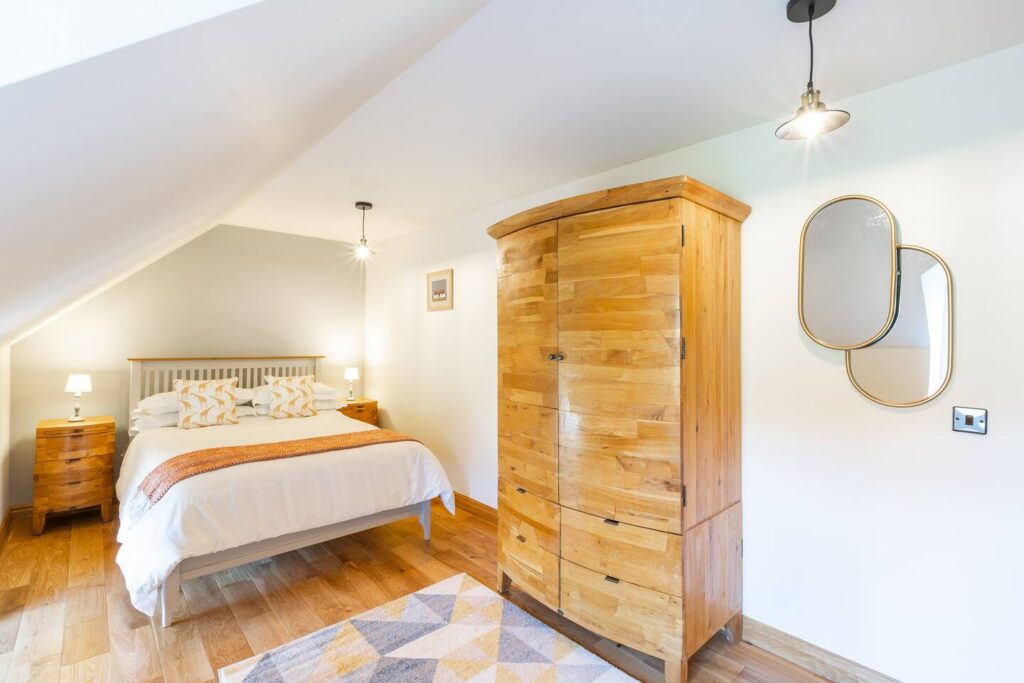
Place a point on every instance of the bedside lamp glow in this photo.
(78, 385)
(351, 374)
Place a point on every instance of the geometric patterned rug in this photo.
(454, 631)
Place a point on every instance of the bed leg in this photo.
(169, 598)
(425, 519)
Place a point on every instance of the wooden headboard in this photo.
(150, 376)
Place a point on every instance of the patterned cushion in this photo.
(206, 402)
(292, 396)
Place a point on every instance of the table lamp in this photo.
(351, 374)
(78, 385)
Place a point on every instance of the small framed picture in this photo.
(439, 290)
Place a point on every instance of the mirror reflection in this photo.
(912, 364)
(848, 273)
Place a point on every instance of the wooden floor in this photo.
(65, 614)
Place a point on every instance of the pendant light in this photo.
(812, 118)
(362, 251)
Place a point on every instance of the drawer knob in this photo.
(611, 579)
(555, 356)
(521, 538)
(520, 489)
(611, 522)
(71, 460)
(74, 483)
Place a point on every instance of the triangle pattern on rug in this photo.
(385, 638)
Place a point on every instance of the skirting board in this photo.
(811, 657)
(479, 509)
(5, 525)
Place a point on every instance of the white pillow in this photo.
(262, 408)
(147, 422)
(320, 404)
(243, 395)
(245, 411)
(158, 404)
(262, 395)
(322, 392)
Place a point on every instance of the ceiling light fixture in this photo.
(362, 251)
(812, 118)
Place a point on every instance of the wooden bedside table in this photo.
(362, 409)
(74, 467)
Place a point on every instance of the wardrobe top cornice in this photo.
(650, 191)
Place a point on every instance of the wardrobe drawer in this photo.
(528, 447)
(641, 618)
(531, 568)
(74, 494)
(48, 472)
(529, 516)
(83, 445)
(648, 558)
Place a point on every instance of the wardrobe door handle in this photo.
(555, 356)
(611, 579)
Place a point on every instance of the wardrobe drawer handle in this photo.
(71, 460)
(521, 538)
(74, 483)
(520, 489)
(555, 356)
(611, 579)
(611, 522)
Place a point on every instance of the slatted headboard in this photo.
(150, 376)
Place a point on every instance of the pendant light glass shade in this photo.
(362, 251)
(812, 119)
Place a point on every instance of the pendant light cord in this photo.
(364, 225)
(810, 39)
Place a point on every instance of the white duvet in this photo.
(237, 505)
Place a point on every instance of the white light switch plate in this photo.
(970, 420)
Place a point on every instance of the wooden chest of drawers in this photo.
(74, 467)
(362, 409)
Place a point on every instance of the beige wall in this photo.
(232, 291)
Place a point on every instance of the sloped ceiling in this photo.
(111, 160)
(42, 35)
(529, 94)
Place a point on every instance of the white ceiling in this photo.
(528, 94)
(41, 35)
(122, 156)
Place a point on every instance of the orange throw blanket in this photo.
(181, 467)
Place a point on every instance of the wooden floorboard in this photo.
(65, 613)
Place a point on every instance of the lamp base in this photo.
(76, 418)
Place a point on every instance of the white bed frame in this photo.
(150, 376)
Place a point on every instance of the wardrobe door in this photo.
(527, 314)
(529, 527)
(618, 382)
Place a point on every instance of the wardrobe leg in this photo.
(675, 672)
(504, 582)
(734, 629)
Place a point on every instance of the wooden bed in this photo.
(150, 376)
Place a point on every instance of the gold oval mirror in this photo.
(913, 363)
(848, 273)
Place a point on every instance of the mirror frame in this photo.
(893, 279)
(949, 332)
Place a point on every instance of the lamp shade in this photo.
(351, 374)
(78, 384)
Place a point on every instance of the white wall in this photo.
(5, 426)
(230, 292)
(876, 533)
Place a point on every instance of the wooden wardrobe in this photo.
(619, 413)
